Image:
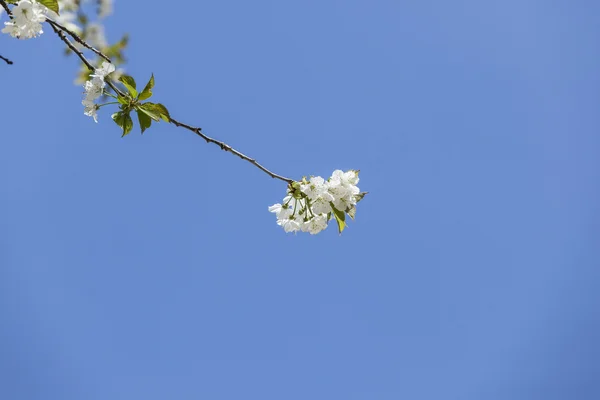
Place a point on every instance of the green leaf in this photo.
(352, 212)
(127, 125)
(147, 92)
(124, 121)
(340, 217)
(150, 110)
(129, 83)
(51, 4)
(144, 119)
(164, 113)
(119, 118)
(122, 100)
(156, 111)
(360, 196)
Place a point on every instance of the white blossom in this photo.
(282, 212)
(321, 205)
(316, 224)
(105, 8)
(310, 204)
(68, 5)
(94, 88)
(106, 69)
(349, 178)
(94, 35)
(28, 16)
(314, 188)
(91, 109)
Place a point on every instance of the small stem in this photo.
(308, 207)
(77, 38)
(106, 104)
(6, 60)
(226, 147)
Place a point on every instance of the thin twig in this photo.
(77, 38)
(5, 6)
(88, 64)
(226, 147)
(198, 131)
(6, 60)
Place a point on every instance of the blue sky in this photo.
(149, 267)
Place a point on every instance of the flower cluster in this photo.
(94, 88)
(310, 204)
(28, 16)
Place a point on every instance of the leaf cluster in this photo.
(132, 101)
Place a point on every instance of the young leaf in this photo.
(150, 110)
(144, 119)
(119, 118)
(147, 92)
(51, 4)
(352, 212)
(340, 217)
(360, 196)
(164, 113)
(122, 100)
(127, 125)
(129, 83)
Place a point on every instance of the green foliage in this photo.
(144, 120)
(146, 112)
(150, 110)
(51, 4)
(361, 196)
(164, 113)
(351, 212)
(129, 83)
(155, 111)
(123, 119)
(340, 217)
(147, 92)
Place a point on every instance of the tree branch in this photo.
(59, 30)
(5, 6)
(77, 38)
(226, 147)
(61, 35)
(6, 60)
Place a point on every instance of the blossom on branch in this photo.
(94, 88)
(28, 17)
(310, 204)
